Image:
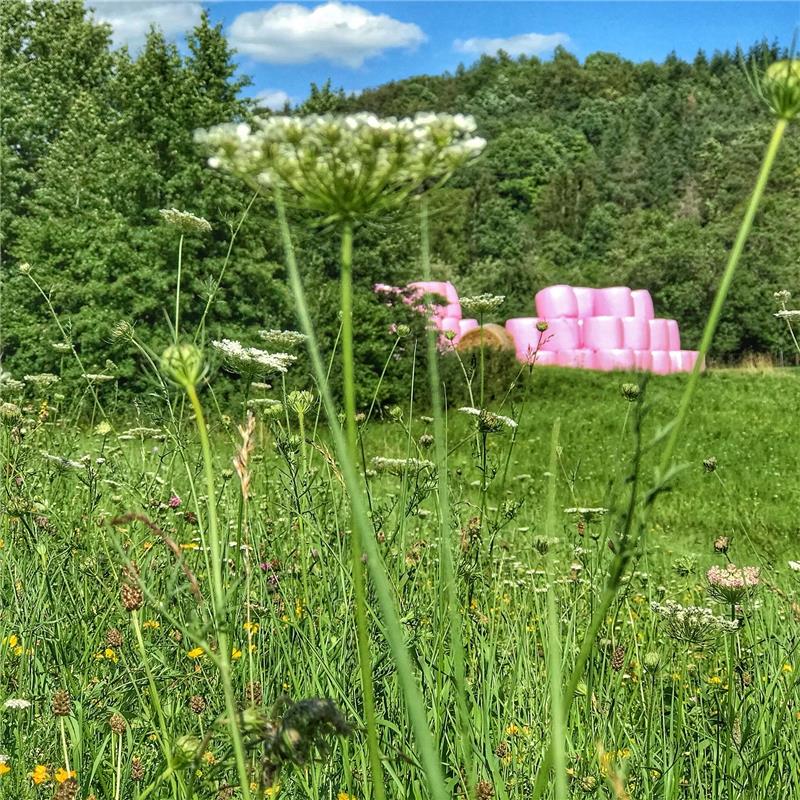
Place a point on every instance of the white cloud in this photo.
(529, 44)
(289, 33)
(130, 21)
(273, 99)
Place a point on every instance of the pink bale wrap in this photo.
(556, 301)
(636, 333)
(643, 360)
(659, 334)
(585, 297)
(614, 301)
(602, 333)
(561, 334)
(614, 359)
(642, 304)
(581, 359)
(662, 363)
(673, 335)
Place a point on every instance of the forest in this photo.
(598, 173)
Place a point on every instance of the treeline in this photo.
(601, 173)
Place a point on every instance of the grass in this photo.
(717, 721)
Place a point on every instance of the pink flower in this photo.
(174, 501)
(731, 583)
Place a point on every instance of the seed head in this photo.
(114, 637)
(67, 790)
(183, 364)
(618, 658)
(197, 703)
(132, 597)
(630, 391)
(253, 693)
(117, 724)
(184, 221)
(484, 790)
(780, 88)
(710, 464)
(137, 769)
(721, 544)
(62, 703)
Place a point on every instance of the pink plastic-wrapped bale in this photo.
(661, 362)
(676, 361)
(689, 359)
(561, 334)
(527, 337)
(582, 358)
(612, 359)
(523, 325)
(636, 333)
(602, 333)
(659, 334)
(449, 324)
(673, 335)
(442, 289)
(544, 358)
(614, 301)
(585, 297)
(451, 294)
(557, 301)
(465, 325)
(642, 304)
(642, 360)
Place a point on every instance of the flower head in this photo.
(692, 624)
(399, 466)
(17, 704)
(488, 421)
(251, 360)
(732, 584)
(344, 167)
(482, 304)
(780, 88)
(184, 221)
(286, 339)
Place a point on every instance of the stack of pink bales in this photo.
(603, 329)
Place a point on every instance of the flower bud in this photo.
(183, 364)
(780, 87)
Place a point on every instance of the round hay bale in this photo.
(494, 337)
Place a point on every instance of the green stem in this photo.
(218, 593)
(356, 548)
(429, 753)
(722, 293)
(178, 290)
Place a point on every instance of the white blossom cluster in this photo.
(481, 304)
(398, 466)
(184, 221)
(344, 166)
(488, 421)
(251, 360)
(42, 379)
(692, 624)
(285, 339)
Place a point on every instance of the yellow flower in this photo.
(715, 680)
(209, 757)
(251, 627)
(62, 775)
(345, 796)
(512, 729)
(236, 654)
(110, 654)
(40, 774)
(272, 791)
(4, 768)
(151, 623)
(190, 546)
(786, 668)
(11, 641)
(195, 652)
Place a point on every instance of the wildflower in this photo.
(61, 347)
(721, 544)
(103, 428)
(43, 379)
(780, 88)
(17, 704)
(197, 703)
(398, 466)
(587, 514)
(62, 703)
(97, 377)
(40, 774)
(795, 565)
(195, 652)
(117, 723)
(4, 768)
(184, 221)
(10, 411)
(732, 584)
(710, 464)
(62, 775)
(183, 364)
(236, 653)
(152, 624)
(692, 624)
(786, 668)
(425, 441)
(137, 769)
(488, 421)
(283, 338)
(652, 661)
(174, 501)
(345, 796)
(344, 167)
(630, 391)
(479, 305)
(251, 360)
(300, 402)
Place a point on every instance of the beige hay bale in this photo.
(494, 337)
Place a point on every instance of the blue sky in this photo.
(286, 46)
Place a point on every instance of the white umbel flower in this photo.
(250, 359)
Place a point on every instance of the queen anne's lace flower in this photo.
(344, 167)
(481, 304)
(184, 221)
(286, 339)
(251, 360)
(692, 624)
(732, 584)
(399, 466)
(488, 421)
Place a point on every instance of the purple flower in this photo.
(174, 501)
